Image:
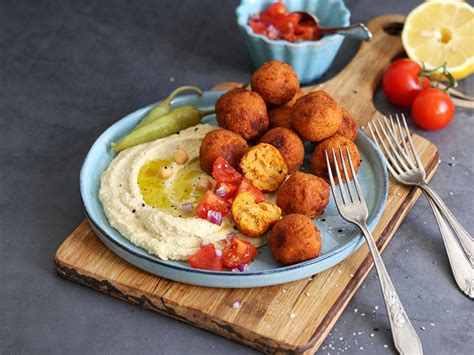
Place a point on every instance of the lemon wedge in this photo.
(438, 32)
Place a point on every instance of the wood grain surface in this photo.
(287, 318)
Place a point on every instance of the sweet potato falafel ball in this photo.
(221, 143)
(295, 239)
(316, 116)
(243, 112)
(276, 82)
(289, 144)
(305, 194)
(222, 103)
(348, 126)
(318, 159)
(281, 117)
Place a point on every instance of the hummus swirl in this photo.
(159, 232)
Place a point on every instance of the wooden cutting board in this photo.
(264, 319)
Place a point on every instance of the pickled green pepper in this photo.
(163, 107)
(166, 125)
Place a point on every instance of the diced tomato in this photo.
(288, 24)
(246, 185)
(225, 190)
(258, 27)
(212, 202)
(276, 22)
(223, 171)
(276, 10)
(206, 259)
(238, 252)
(307, 31)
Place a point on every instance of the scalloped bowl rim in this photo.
(282, 43)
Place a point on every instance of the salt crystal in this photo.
(376, 307)
(292, 315)
(339, 271)
(307, 294)
(361, 348)
(351, 275)
(422, 328)
(432, 324)
(236, 305)
(171, 79)
(451, 193)
(284, 291)
(453, 158)
(385, 345)
(399, 194)
(372, 335)
(362, 314)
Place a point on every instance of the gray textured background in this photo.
(68, 70)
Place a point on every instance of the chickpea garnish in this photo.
(204, 185)
(165, 172)
(181, 157)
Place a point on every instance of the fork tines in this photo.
(355, 192)
(392, 138)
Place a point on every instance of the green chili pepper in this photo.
(163, 107)
(166, 125)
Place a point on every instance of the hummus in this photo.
(147, 210)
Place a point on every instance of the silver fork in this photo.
(354, 210)
(406, 167)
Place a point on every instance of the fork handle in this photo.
(462, 270)
(404, 335)
(462, 236)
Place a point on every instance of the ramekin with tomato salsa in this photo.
(272, 32)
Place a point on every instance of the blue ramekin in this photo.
(309, 59)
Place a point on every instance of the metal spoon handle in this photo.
(357, 31)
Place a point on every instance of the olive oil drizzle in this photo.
(169, 194)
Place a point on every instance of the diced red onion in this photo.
(218, 252)
(230, 236)
(214, 217)
(187, 207)
(236, 305)
(243, 267)
(221, 191)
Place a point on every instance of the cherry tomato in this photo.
(212, 202)
(246, 185)
(223, 171)
(238, 252)
(225, 190)
(401, 83)
(206, 259)
(432, 109)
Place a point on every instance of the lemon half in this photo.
(438, 32)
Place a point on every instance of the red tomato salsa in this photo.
(277, 23)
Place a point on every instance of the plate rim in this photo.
(354, 244)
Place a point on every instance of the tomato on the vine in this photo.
(432, 109)
(402, 82)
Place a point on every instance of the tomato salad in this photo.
(276, 22)
(214, 206)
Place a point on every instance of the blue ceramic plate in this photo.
(340, 239)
